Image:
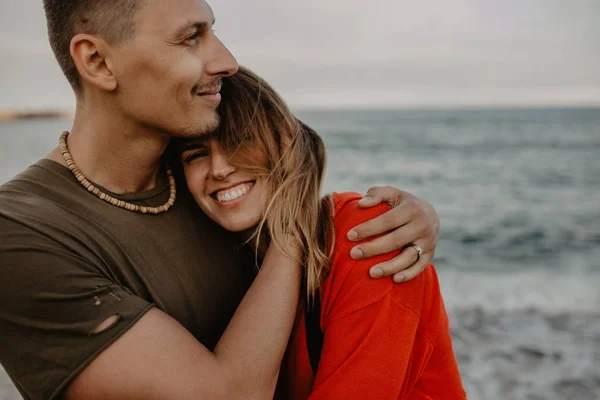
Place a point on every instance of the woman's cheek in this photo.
(195, 179)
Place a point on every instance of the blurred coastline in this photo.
(6, 116)
(518, 193)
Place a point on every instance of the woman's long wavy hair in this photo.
(262, 136)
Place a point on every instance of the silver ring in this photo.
(418, 249)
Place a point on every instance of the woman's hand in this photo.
(410, 221)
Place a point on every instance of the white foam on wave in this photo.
(542, 290)
(533, 334)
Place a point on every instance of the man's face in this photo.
(169, 74)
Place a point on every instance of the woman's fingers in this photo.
(378, 194)
(397, 239)
(406, 209)
(406, 258)
(410, 221)
(403, 263)
(414, 270)
(386, 222)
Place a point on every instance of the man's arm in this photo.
(67, 329)
(158, 359)
(410, 221)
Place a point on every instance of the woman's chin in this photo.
(237, 229)
(238, 226)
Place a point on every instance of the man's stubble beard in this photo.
(198, 131)
(206, 126)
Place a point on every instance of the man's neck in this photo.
(113, 152)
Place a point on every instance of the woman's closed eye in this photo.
(194, 155)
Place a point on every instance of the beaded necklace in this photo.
(62, 144)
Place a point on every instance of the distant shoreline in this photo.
(26, 115)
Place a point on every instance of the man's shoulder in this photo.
(36, 192)
(37, 179)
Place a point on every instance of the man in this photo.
(110, 288)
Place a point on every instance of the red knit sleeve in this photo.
(375, 343)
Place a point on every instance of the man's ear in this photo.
(90, 53)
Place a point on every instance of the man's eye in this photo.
(191, 40)
(193, 156)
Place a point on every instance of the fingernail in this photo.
(399, 278)
(356, 253)
(352, 235)
(376, 272)
(366, 199)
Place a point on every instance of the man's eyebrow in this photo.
(200, 26)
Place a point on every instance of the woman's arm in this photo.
(368, 354)
(395, 347)
(158, 359)
(379, 337)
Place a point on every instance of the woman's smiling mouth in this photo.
(232, 193)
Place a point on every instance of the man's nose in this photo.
(221, 62)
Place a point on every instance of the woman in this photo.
(260, 174)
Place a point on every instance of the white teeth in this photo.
(233, 193)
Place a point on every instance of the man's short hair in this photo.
(113, 20)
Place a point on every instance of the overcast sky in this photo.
(376, 53)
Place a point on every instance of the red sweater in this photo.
(382, 340)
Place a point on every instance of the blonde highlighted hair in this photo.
(261, 135)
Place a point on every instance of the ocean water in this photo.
(518, 194)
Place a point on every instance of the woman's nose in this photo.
(221, 168)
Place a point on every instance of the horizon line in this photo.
(443, 107)
(46, 112)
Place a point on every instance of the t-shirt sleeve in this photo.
(51, 303)
(375, 344)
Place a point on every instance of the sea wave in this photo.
(526, 355)
(527, 335)
(549, 292)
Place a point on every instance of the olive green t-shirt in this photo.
(69, 261)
